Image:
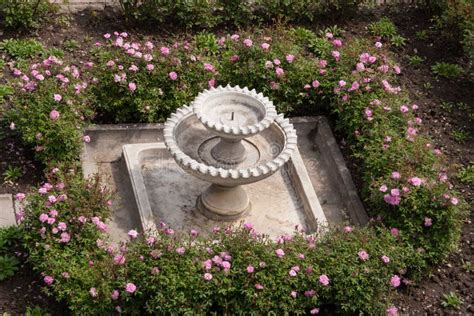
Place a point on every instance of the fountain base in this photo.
(221, 203)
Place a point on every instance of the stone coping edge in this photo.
(336, 165)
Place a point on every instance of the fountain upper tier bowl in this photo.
(232, 112)
(190, 144)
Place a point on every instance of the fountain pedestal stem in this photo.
(229, 151)
(223, 203)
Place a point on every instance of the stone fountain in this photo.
(246, 141)
(227, 157)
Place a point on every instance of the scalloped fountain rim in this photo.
(269, 108)
(188, 162)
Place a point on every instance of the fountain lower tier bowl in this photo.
(192, 144)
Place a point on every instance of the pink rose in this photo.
(150, 67)
(132, 86)
(385, 259)
(360, 67)
(265, 46)
(290, 58)
(119, 259)
(57, 97)
(54, 115)
(279, 253)
(392, 311)
(173, 75)
(395, 232)
(93, 292)
(87, 139)
(20, 196)
(43, 217)
(395, 281)
(48, 280)
(130, 288)
(324, 280)
(454, 201)
(207, 276)
(428, 222)
(115, 295)
(363, 255)
(248, 42)
(337, 43)
(65, 238)
(165, 51)
(132, 234)
(415, 181)
(279, 72)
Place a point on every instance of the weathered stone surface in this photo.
(7, 213)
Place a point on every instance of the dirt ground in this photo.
(431, 94)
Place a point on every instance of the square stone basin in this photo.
(165, 193)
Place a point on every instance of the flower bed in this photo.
(416, 214)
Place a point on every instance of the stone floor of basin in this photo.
(172, 193)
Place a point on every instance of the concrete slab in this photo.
(7, 213)
(318, 149)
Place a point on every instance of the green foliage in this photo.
(9, 239)
(184, 13)
(451, 300)
(398, 40)
(205, 14)
(8, 267)
(383, 28)
(416, 60)
(71, 45)
(207, 43)
(36, 311)
(237, 13)
(421, 35)
(446, 70)
(25, 14)
(466, 175)
(455, 20)
(334, 30)
(22, 48)
(5, 90)
(12, 174)
(461, 136)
